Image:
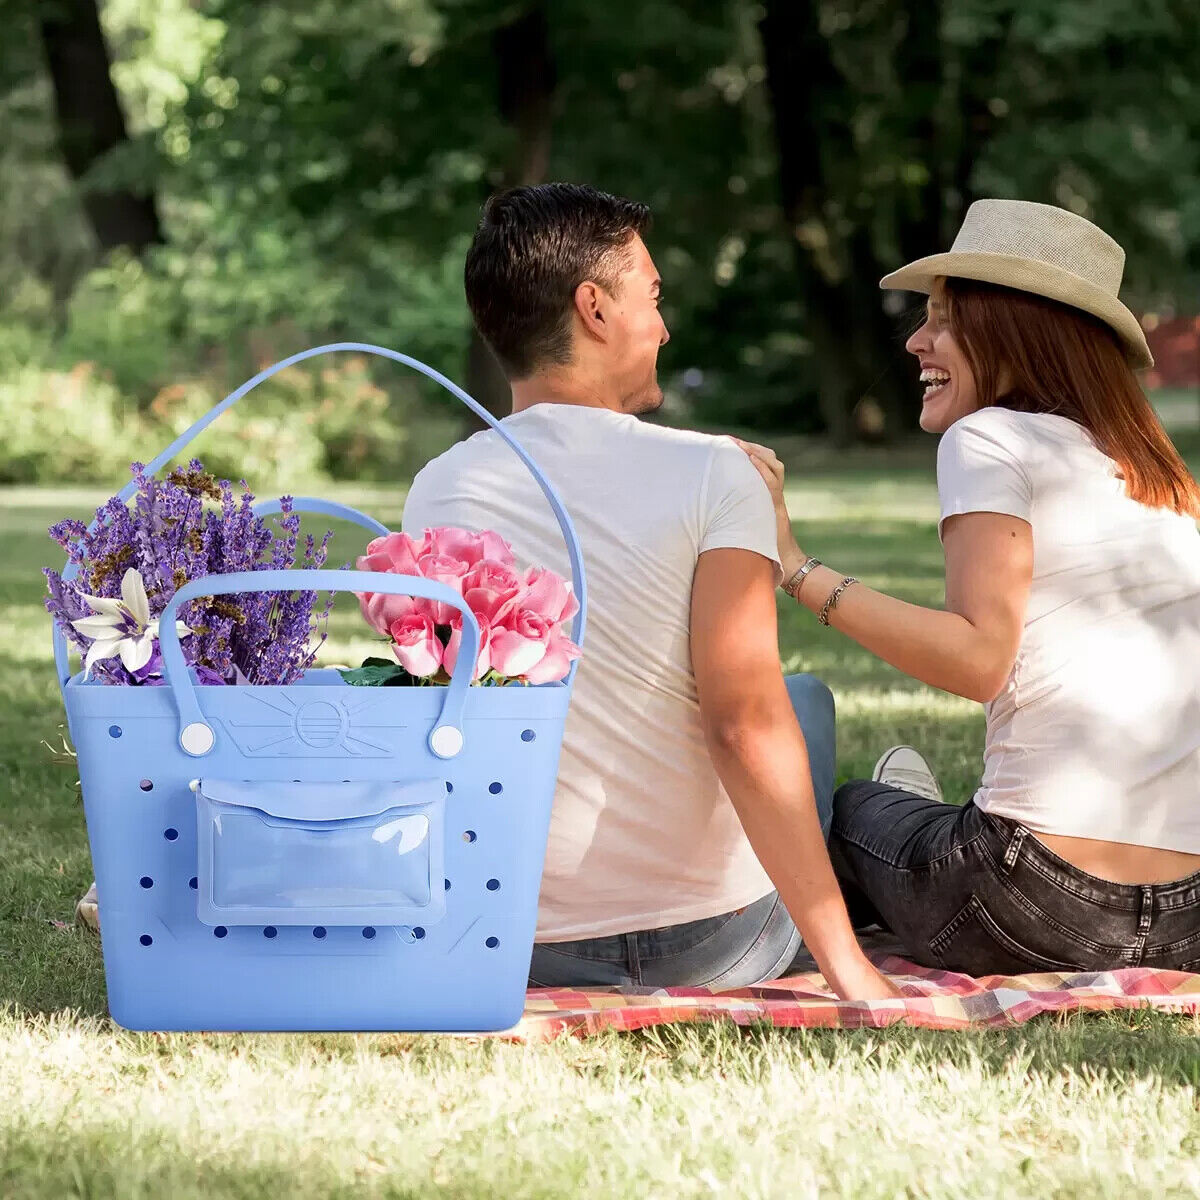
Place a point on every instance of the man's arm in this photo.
(758, 750)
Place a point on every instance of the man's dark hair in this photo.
(533, 248)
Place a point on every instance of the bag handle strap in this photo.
(578, 576)
(564, 521)
(196, 734)
(325, 508)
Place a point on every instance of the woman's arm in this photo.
(969, 648)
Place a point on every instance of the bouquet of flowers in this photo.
(520, 616)
(140, 554)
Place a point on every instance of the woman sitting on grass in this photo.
(1072, 613)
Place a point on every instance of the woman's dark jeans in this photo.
(970, 892)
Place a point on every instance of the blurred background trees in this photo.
(192, 188)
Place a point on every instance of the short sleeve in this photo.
(737, 513)
(417, 516)
(980, 469)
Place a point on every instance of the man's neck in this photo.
(562, 387)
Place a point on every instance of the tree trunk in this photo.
(859, 343)
(926, 210)
(526, 80)
(803, 88)
(90, 121)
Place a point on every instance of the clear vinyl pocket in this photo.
(321, 854)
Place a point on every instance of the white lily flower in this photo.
(122, 627)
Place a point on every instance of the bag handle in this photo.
(196, 735)
(324, 508)
(578, 577)
(564, 521)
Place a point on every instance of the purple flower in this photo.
(182, 528)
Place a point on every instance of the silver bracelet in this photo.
(834, 597)
(792, 586)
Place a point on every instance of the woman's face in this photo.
(946, 376)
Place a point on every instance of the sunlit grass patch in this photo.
(1089, 1106)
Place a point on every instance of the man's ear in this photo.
(591, 305)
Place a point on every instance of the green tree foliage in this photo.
(318, 166)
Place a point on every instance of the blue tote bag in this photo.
(319, 856)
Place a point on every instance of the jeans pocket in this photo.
(975, 944)
(766, 957)
(687, 938)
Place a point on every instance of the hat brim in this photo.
(1029, 275)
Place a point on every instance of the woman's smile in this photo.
(935, 380)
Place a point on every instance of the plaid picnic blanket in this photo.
(933, 1000)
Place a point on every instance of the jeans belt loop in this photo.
(1014, 847)
(633, 959)
(1146, 912)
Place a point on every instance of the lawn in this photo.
(1088, 1106)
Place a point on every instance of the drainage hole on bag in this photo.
(469, 835)
(492, 943)
(447, 885)
(527, 735)
(270, 931)
(493, 885)
(147, 785)
(449, 786)
(220, 931)
(193, 883)
(146, 881)
(495, 788)
(418, 932)
(369, 932)
(319, 931)
(146, 940)
(115, 731)
(170, 834)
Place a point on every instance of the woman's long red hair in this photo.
(1058, 359)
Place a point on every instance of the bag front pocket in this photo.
(319, 853)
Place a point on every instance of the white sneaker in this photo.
(87, 911)
(902, 767)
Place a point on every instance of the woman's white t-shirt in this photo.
(1096, 734)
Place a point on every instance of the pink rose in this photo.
(550, 595)
(556, 663)
(394, 553)
(491, 589)
(519, 642)
(470, 547)
(483, 663)
(442, 568)
(398, 550)
(415, 644)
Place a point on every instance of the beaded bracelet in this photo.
(834, 597)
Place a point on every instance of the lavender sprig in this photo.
(186, 527)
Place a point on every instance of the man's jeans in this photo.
(735, 949)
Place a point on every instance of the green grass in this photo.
(1089, 1106)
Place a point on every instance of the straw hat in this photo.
(1040, 249)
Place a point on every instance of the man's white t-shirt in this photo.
(1096, 734)
(642, 834)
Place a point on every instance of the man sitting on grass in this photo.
(689, 763)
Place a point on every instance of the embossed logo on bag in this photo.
(273, 724)
(320, 724)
